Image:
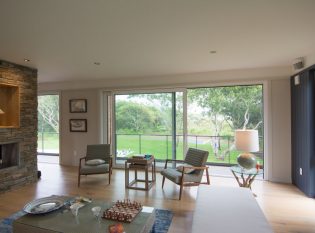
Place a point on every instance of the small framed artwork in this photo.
(78, 105)
(78, 125)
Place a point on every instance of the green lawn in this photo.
(48, 142)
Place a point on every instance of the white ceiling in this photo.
(138, 38)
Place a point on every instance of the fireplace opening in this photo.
(9, 155)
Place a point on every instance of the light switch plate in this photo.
(296, 79)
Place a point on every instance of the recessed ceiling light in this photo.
(26, 60)
(97, 63)
(213, 51)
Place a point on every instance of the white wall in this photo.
(195, 79)
(73, 144)
(280, 131)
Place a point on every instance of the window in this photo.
(48, 125)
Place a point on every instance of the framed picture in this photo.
(78, 125)
(78, 105)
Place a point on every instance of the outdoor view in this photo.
(144, 122)
(215, 113)
(48, 124)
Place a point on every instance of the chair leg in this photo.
(180, 191)
(208, 179)
(163, 181)
(181, 185)
(79, 180)
(109, 175)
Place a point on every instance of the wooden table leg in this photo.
(154, 171)
(136, 174)
(126, 175)
(146, 177)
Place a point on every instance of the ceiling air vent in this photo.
(298, 63)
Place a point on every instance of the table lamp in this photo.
(246, 140)
(1, 111)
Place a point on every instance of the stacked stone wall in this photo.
(26, 134)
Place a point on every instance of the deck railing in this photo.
(221, 148)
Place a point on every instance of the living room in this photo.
(101, 51)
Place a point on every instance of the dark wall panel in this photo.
(303, 131)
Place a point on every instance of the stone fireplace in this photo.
(18, 141)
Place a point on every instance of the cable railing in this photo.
(221, 148)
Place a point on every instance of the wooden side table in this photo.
(140, 164)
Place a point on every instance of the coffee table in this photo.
(63, 220)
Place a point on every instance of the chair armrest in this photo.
(172, 160)
(109, 159)
(83, 158)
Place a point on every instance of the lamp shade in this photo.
(1, 112)
(247, 140)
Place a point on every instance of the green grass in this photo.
(48, 142)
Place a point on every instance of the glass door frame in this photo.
(58, 93)
(146, 91)
(266, 109)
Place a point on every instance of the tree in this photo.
(238, 106)
(48, 113)
(244, 109)
(163, 102)
(137, 118)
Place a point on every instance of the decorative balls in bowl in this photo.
(247, 161)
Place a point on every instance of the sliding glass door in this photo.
(166, 124)
(148, 123)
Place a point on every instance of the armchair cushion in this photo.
(187, 170)
(87, 169)
(175, 176)
(94, 162)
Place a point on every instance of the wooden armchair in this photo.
(98, 160)
(190, 174)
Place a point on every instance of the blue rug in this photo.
(163, 221)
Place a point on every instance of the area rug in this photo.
(162, 223)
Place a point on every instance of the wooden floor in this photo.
(286, 208)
